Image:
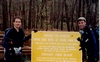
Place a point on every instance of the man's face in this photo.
(17, 23)
(81, 24)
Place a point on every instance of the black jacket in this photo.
(88, 34)
(16, 37)
(92, 44)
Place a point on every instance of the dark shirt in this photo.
(17, 37)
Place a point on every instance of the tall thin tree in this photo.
(10, 12)
(23, 15)
(62, 15)
(30, 14)
(66, 13)
(5, 14)
(79, 10)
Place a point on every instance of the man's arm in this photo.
(29, 36)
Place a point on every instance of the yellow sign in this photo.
(52, 46)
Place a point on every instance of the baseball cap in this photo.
(81, 18)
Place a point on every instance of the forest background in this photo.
(48, 14)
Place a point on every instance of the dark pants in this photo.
(83, 56)
(11, 57)
(92, 57)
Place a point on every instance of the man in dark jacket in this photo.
(13, 41)
(90, 40)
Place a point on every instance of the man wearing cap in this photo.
(89, 40)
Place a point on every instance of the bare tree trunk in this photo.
(10, 12)
(58, 13)
(5, 14)
(33, 14)
(96, 12)
(88, 11)
(46, 15)
(62, 17)
(51, 15)
(77, 14)
(37, 15)
(13, 14)
(23, 14)
(41, 16)
(19, 6)
(54, 16)
(66, 12)
(72, 15)
(30, 14)
(79, 8)
(83, 13)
